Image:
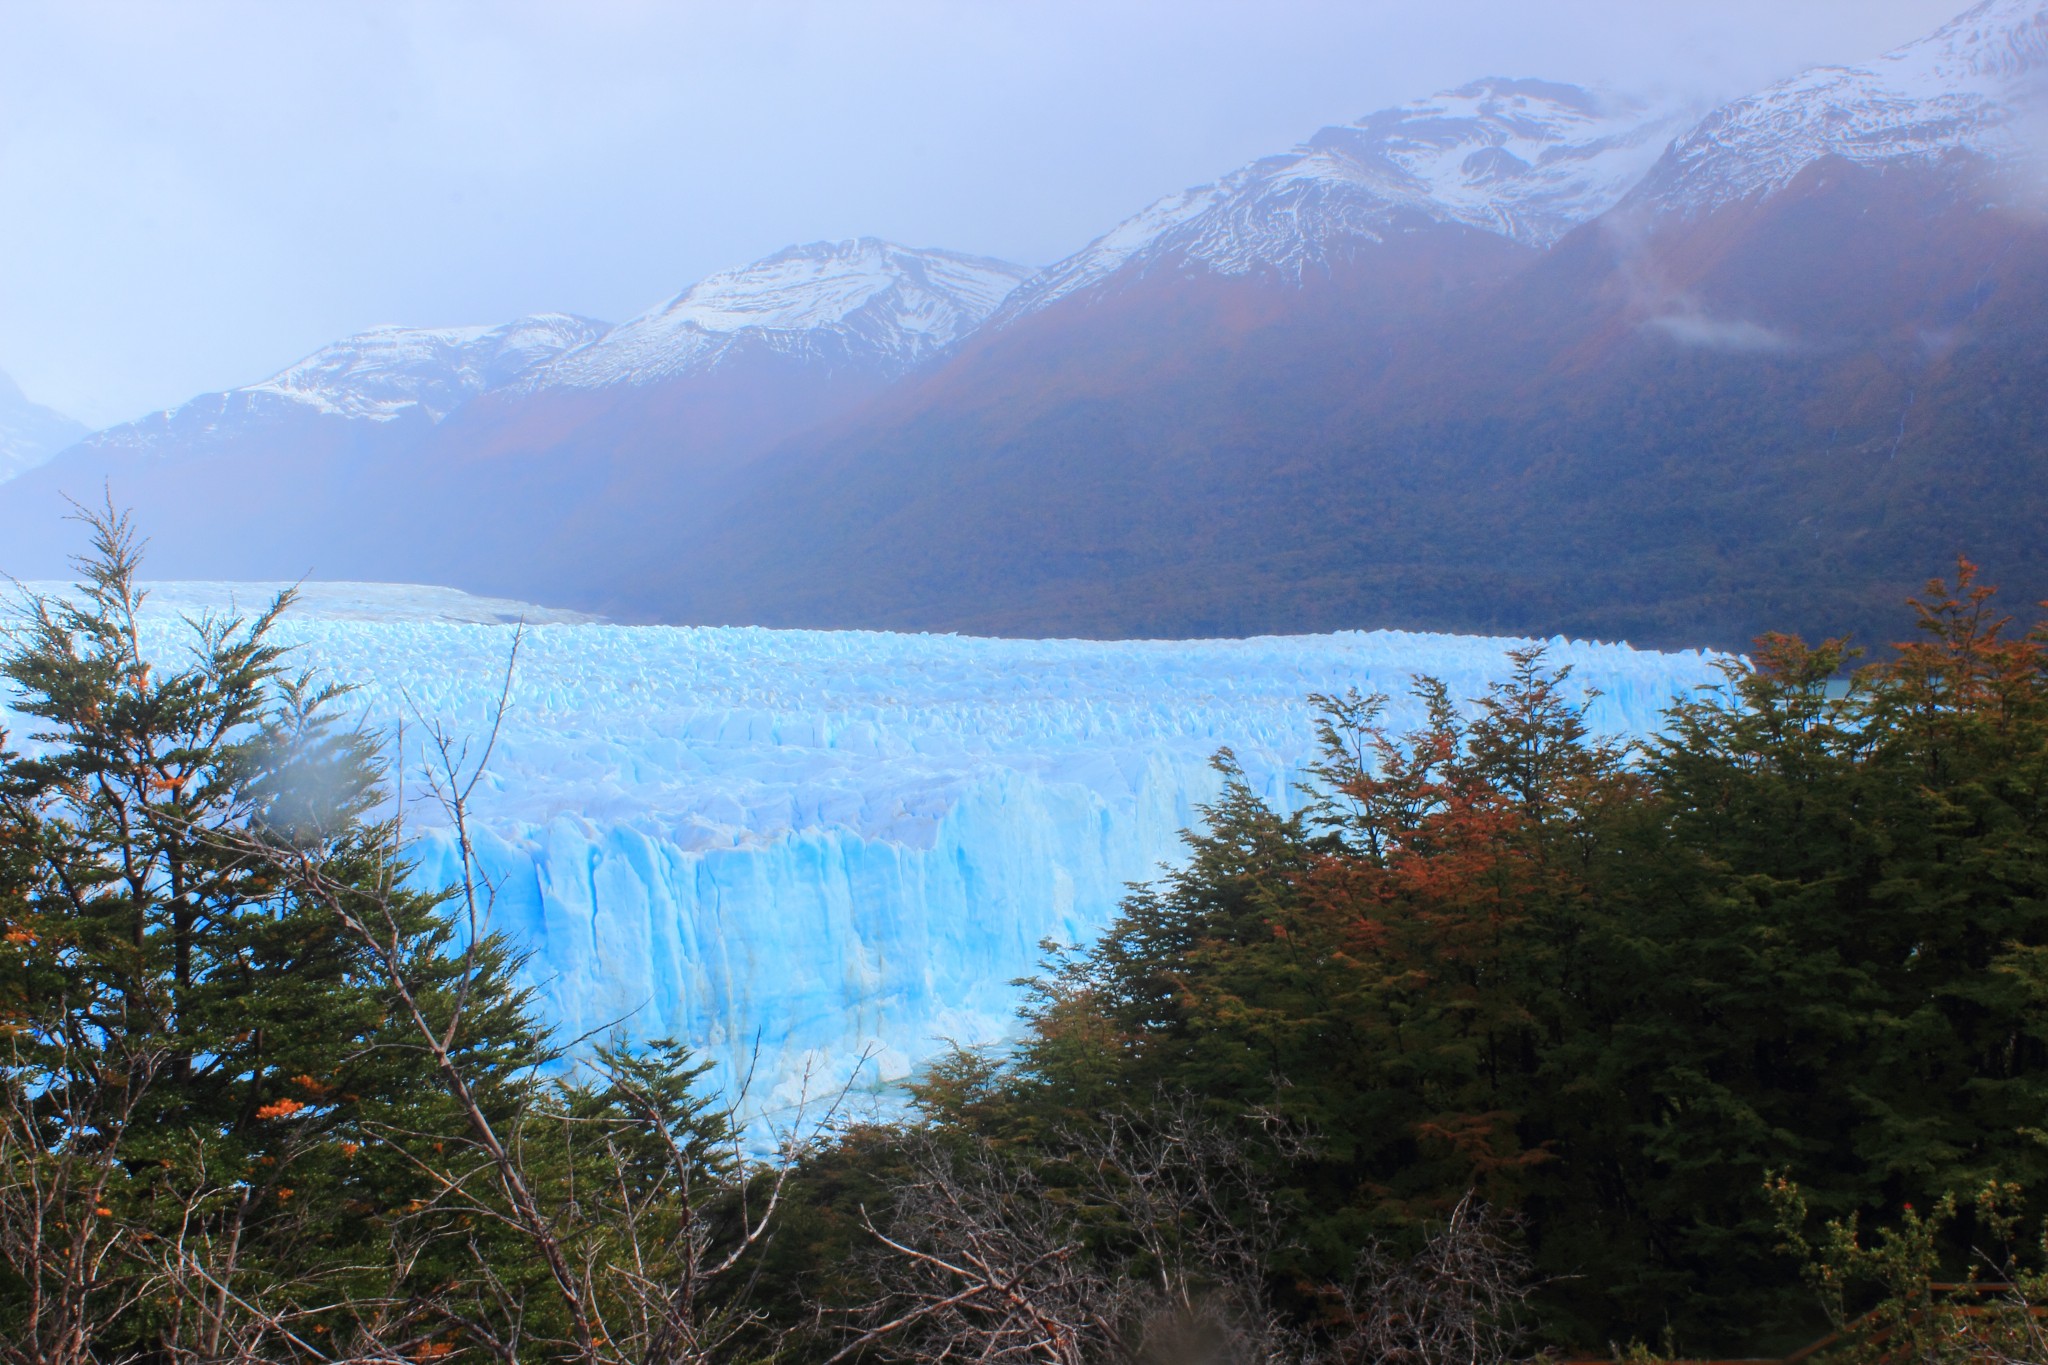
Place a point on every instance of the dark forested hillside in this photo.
(1652, 431)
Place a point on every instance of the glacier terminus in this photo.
(790, 847)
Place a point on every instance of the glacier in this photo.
(791, 847)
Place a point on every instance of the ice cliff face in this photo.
(830, 841)
(29, 432)
(863, 301)
(1527, 160)
(1972, 88)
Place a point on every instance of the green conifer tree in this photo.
(210, 1103)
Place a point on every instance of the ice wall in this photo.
(830, 841)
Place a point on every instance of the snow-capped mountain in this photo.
(864, 300)
(1382, 377)
(1385, 378)
(383, 375)
(569, 445)
(29, 432)
(1527, 160)
(1974, 87)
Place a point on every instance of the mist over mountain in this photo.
(551, 450)
(29, 432)
(1515, 357)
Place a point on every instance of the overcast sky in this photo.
(194, 194)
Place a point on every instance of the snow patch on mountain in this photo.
(861, 301)
(384, 375)
(1973, 88)
(29, 432)
(389, 371)
(1527, 160)
(865, 302)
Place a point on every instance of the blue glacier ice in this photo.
(819, 842)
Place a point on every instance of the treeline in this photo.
(1513, 1039)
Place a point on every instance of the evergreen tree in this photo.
(1803, 934)
(211, 1105)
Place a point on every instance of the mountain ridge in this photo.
(1654, 428)
(1524, 159)
(838, 301)
(29, 432)
(1505, 358)
(1957, 91)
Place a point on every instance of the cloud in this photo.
(1665, 308)
(1696, 329)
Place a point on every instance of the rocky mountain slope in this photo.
(1969, 92)
(398, 377)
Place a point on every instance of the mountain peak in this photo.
(381, 375)
(387, 372)
(1999, 40)
(1525, 159)
(1957, 92)
(29, 432)
(863, 299)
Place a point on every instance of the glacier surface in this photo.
(823, 842)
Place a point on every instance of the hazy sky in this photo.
(194, 194)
